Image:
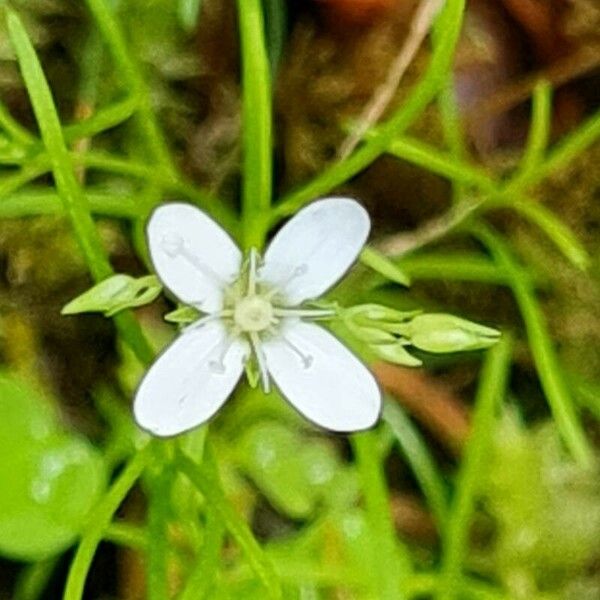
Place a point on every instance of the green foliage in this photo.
(294, 476)
(339, 532)
(547, 513)
(50, 477)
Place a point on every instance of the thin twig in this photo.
(383, 95)
(402, 243)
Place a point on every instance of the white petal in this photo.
(322, 378)
(193, 256)
(315, 248)
(183, 388)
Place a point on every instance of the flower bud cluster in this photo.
(388, 332)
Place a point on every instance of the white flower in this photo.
(253, 310)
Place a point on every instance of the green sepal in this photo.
(384, 266)
(378, 312)
(397, 354)
(183, 315)
(252, 373)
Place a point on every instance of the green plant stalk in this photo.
(43, 201)
(494, 194)
(205, 477)
(132, 75)
(115, 164)
(416, 453)
(127, 535)
(539, 134)
(452, 266)
(99, 520)
(390, 560)
(256, 123)
(66, 182)
(102, 120)
(567, 149)
(450, 21)
(546, 362)
(204, 573)
(33, 580)
(492, 387)
(13, 128)
(157, 576)
(31, 170)
(102, 161)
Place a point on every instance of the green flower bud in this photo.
(115, 294)
(442, 333)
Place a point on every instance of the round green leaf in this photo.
(49, 479)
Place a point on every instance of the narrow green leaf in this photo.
(490, 395)
(387, 557)
(558, 233)
(276, 30)
(539, 133)
(205, 478)
(71, 194)
(450, 21)
(256, 122)
(99, 521)
(384, 266)
(547, 364)
(416, 452)
(396, 353)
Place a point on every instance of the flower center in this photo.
(253, 313)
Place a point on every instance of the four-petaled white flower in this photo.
(254, 309)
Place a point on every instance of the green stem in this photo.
(419, 458)
(133, 79)
(33, 580)
(450, 21)
(157, 552)
(13, 128)
(64, 175)
(202, 578)
(390, 560)
(539, 133)
(43, 201)
(490, 394)
(547, 365)
(206, 479)
(98, 521)
(257, 123)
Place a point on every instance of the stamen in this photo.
(281, 287)
(252, 268)
(174, 245)
(207, 319)
(304, 313)
(261, 361)
(307, 359)
(218, 366)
